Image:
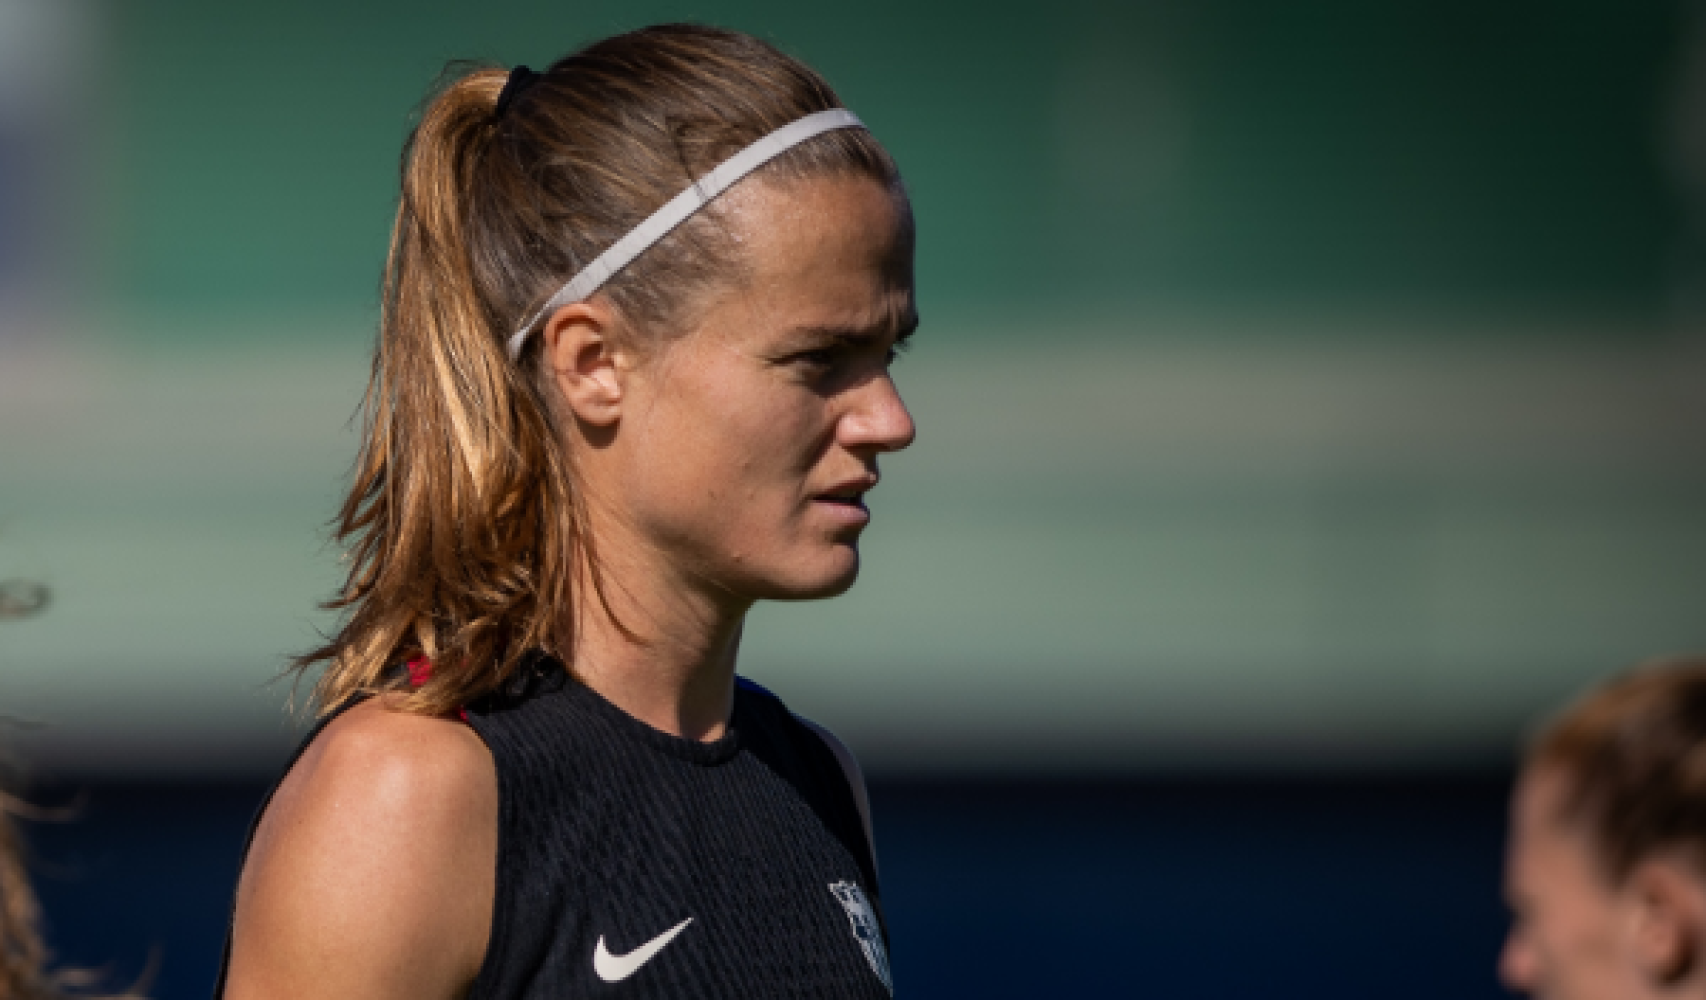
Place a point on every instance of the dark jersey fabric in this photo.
(612, 833)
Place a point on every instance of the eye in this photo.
(817, 363)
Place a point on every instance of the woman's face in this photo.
(1563, 942)
(746, 447)
(1577, 933)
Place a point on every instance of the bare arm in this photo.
(372, 873)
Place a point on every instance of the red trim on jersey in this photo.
(420, 669)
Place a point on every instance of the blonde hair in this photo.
(463, 529)
(26, 972)
(23, 956)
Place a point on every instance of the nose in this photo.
(878, 420)
(1517, 965)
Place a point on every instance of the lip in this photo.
(851, 488)
(845, 501)
(847, 513)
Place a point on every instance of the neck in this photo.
(661, 645)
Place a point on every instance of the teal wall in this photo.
(1414, 154)
(1309, 384)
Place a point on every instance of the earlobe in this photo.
(580, 352)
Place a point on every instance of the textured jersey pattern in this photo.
(611, 831)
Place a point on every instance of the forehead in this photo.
(833, 251)
(1537, 806)
(1540, 831)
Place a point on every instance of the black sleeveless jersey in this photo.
(633, 863)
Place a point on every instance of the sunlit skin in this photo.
(731, 465)
(1579, 934)
(725, 466)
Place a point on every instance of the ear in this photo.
(1669, 920)
(580, 352)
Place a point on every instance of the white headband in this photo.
(679, 208)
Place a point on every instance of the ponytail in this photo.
(461, 518)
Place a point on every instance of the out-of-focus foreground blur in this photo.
(1309, 395)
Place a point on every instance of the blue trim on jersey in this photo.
(755, 687)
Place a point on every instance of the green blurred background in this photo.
(1301, 386)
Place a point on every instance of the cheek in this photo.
(725, 455)
(1576, 943)
(774, 451)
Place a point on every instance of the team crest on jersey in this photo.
(865, 929)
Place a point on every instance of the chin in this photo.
(825, 576)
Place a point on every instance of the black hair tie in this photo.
(520, 78)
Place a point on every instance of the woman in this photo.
(1606, 868)
(24, 966)
(539, 775)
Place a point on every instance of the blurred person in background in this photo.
(536, 773)
(23, 955)
(1606, 872)
(25, 970)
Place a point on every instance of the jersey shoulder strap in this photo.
(850, 772)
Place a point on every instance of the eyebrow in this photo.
(905, 328)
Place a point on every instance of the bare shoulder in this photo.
(373, 765)
(372, 870)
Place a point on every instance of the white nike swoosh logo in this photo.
(615, 968)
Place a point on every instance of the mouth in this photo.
(845, 507)
(847, 500)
